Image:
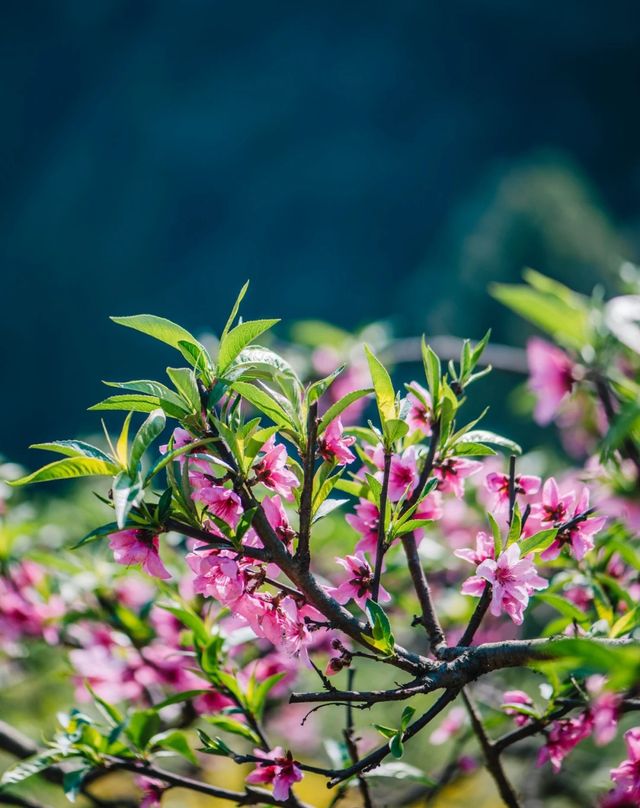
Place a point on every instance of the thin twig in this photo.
(377, 572)
(492, 757)
(303, 556)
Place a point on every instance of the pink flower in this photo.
(358, 582)
(627, 774)
(218, 574)
(550, 377)
(579, 537)
(604, 710)
(221, 502)
(278, 769)
(332, 445)
(513, 580)
(525, 485)
(137, 546)
(485, 548)
(271, 470)
(152, 791)
(452, 472)
(419, 416)
(365, 521)
(278, 519)
(455, 720)
(403, 472)
(110, 670)
(562, 738)
(553, 509)
(516, 697)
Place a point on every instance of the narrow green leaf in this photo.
(264, 402)
(185, 382)
(73, 448)
(432, 370)
(163, 330)
(148, 432)
(382, 386)
(238, 338)
(68, 468)
(340, 406)
(538, 542)
(234, 311)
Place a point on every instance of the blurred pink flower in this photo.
(454, 721)
(516, 697)
(627, 774)
(550, 377)
(419, 416)
(562, 737)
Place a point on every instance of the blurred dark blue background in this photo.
(356, 160)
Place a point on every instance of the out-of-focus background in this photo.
(356, 161)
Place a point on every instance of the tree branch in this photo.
(380, 548)
(303, 556)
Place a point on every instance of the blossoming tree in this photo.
(456, 567)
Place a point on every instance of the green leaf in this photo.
(185, 382)
(157, 390)
(261, 693)
(407, 715)
(626, 624)
(238, 338)
(538, 542)
(177, 698)
(264, 402)
(484, 436)
(395, 429)
(554, 309)
(386, 732)
(110, 711)
(433, 372)
(176, 741)
(227, 724)
(142, 726)
(327, 507)
(211, 746)
(126, 492)
(28, 767)
(381, 627)
(189, 619)
(73, 448)
(163, 330)
(72, 782)
(382, 386)
(139, 403)
(122, 445)
(148, 432)
(234, 311)
(396, 747)
(68, 468)
(515, 528)
(340, 406)
(469, 449)
(319, 388)
(564, 607)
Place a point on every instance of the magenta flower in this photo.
(218, 574)
(553, 509)
(455, 720)
(513, 580)
(358, 581)
(452, 473)
(403, 474)
(562, 738)
(137, 546)
(152, 791)
(271, 470)
(516, 697)
(365, 521)
(278, 769)
(333, 445)
(222, 502)
(627, 774)
(579, 537)
(525, 485)
(419, 416)
(550, 377)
